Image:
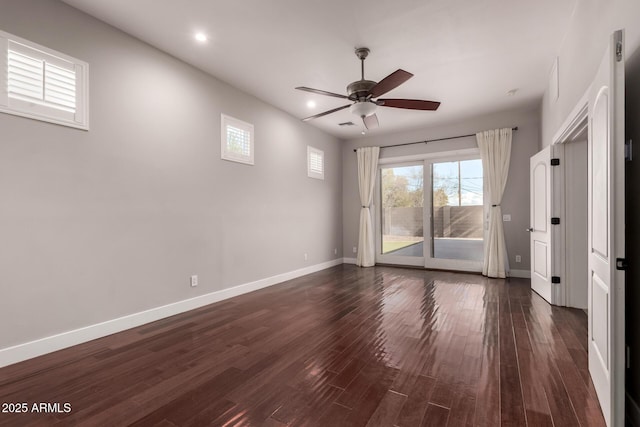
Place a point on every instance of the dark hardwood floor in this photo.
(345, 346)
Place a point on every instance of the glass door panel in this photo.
(402, 206)
(457, 210)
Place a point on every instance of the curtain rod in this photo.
(432, 140)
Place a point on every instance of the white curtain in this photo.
(367, 168)
(495, 150)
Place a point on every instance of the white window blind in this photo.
(315, 163)
(35, 80)
(42, 84)
(236, 140)
(60, 87)
(26, 76)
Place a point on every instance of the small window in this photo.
(42, 84)
(315, 163)
(237, 140)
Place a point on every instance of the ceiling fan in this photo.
(363, 91)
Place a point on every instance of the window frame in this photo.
(225, 154)
(41, 111)
(311, 173)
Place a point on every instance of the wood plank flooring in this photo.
(380, 346)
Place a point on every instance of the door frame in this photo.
(575, 125)
(425, 261)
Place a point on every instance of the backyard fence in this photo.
(448, 221)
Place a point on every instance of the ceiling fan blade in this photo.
(321, 92)
(409, 104)
(370, 122)
(326, 112)
(390, 82)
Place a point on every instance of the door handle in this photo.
(530, 229)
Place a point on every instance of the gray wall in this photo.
(96, 225)
(516, 197)
(581, 51)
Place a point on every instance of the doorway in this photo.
(560, 220)
(431, 211)
(576, 254)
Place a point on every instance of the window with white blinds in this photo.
(236, 140)
(42, 84)
(315, 163)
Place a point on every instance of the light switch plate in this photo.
(506, 217)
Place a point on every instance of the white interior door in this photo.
(606, 232)
(540, 225)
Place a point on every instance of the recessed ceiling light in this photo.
(311, 104)
(201, 37)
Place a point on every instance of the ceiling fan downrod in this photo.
(362, 53)
(359, 90)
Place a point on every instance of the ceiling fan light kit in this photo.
(362, 92)
(363, 109)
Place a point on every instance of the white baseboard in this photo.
(523, 274)
(348, 260)
(20, 352)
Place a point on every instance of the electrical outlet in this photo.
(518, 258)
(506, 217)
(306, 257)
(355, 250)
(194, 281)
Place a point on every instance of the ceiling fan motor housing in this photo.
(359, 91)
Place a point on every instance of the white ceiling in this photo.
(465, 53)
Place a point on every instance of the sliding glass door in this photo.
(457, 210)
(401, 228)
(432, 213)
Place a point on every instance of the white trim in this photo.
(20, 352)
(45, 112)
(575, 123)
(558, 241)
(435, 155)
(523, 274)
(4, 89)
(348, 260)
